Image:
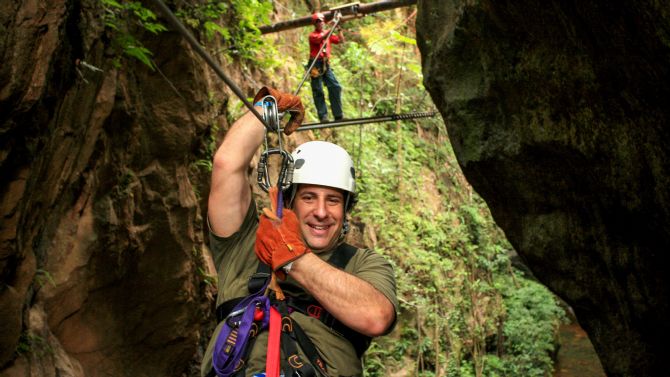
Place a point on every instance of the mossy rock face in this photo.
(101, 236)
(558, 116)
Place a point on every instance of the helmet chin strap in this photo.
(345, 226)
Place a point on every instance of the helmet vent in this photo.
(353, 172)
(299, 163)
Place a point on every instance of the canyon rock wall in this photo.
(558, 113)
(102, 257)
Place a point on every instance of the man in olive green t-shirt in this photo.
(361, 295)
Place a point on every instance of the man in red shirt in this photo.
(321, 72)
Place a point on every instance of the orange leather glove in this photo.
(278, 241)
(285, 102)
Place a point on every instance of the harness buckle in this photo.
(314, 311)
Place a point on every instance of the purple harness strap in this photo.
(238, 327)
(232, 341)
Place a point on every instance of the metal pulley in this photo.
(270, 114)
(285, 178)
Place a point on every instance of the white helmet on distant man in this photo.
(325, 164)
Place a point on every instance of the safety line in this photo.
(354, 121)
(201, 51)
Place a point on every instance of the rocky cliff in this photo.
(558, 115)
(101, 234)
(557, 112)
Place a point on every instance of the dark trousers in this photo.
(334, 93)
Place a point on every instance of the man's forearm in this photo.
(353, 301)
(240, 143)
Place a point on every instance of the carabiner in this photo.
(285, 178)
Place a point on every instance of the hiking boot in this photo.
(339, 118)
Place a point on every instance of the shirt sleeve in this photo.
(376, 270)
(223, 247)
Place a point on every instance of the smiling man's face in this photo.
(320, 212)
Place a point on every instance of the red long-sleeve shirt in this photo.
(315, 40)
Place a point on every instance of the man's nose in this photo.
(320, 210)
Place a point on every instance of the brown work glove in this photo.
(278, 241)
(285, 102)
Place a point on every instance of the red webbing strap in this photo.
(272, 362)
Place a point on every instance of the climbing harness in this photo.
(318, 71)
(247, 318)
(292, 334)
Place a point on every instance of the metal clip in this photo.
(285, 171)
(271, 116)
(270, 113)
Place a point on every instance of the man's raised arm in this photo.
(230, 193)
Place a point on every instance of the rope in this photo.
(201, 51)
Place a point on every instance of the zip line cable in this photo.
(201, 51)
(377, 119)
(236, 90)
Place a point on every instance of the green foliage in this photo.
(232, 23)
(119, 16)
(450, 258)
(533, 317)
(235, 23)
(207, 155)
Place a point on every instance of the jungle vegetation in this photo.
(465, 310)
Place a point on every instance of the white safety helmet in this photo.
(326, 164)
